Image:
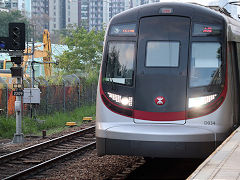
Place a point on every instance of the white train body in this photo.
(169, 82)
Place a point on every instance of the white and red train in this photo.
(169, 81)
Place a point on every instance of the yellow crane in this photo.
(48, 49)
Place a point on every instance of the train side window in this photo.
(205, 64)
(162, 54)
(120, 62)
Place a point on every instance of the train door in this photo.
(161, 77)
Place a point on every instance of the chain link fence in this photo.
(73, 92)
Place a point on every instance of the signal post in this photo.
(14, 44)
(17, 43)
(17, 72)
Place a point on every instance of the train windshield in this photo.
(120, 62)
(205, 64)
(162, 54)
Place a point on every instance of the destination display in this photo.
(205, 29)
(123, 29)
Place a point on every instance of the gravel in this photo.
(89, 166)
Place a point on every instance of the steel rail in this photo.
(45, 165)
(37, 147)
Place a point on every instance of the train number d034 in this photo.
(209, 123)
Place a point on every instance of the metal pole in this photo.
(7, 101)
(92, 93)
(79, 90)
(18, 136)
(64, 98)
(47, 95)
(79, 94)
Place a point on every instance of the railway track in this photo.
(32, 160)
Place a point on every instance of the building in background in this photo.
(40, 15)
(83, 13)
(117, 6)
(63, 14)
(71, 12)
(134, 3)
(57, 18)
(101, 11)
(11, 4)
(87, 13)
(97, 14)
(2, 4)
(27, 10)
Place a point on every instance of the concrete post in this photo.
(18, 136)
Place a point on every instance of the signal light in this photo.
(16, 72)
(16, 60)
(3, 43)
(17, 36)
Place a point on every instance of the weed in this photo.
(53, 123)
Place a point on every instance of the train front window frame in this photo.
(162, 54)
(206, 64)
(123, 73)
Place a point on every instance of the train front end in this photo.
(163, 83)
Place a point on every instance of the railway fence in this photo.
(72, 92)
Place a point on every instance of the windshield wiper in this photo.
(113, 85)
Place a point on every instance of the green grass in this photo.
(52, 123)
(7, 127)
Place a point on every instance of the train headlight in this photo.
(199, 101)
(126, 101)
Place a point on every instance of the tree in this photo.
(8, 17)
(85, 52)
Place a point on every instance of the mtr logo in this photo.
(160, 100)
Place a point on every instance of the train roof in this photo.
(196, 12)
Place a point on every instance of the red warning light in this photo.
(207, 30)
